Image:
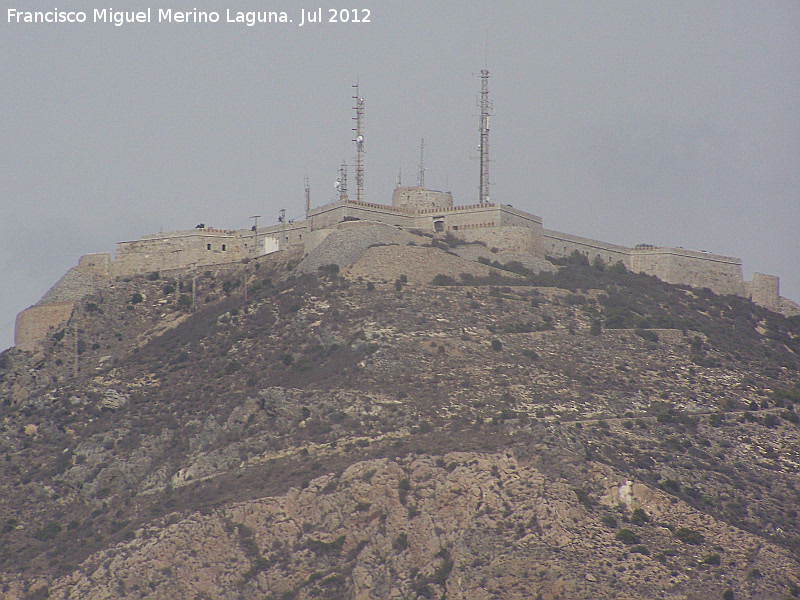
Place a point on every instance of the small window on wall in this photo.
(208, 246)
(223, 247)
(438, 226)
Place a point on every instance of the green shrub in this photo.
(689, 536)
(497, 345)
(137, 298)
(609, 521)
(626, 536)
(442, 279)
(639, 517)
(640, 549)
(320, 547)
(403, 487)
(618, 268)
(755, 574)
(329, 269)
(648, 335)
(617, 317)
(48, 532)
(400, 543)
(578, 258)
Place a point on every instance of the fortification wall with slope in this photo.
(721, 274)
(34, 323)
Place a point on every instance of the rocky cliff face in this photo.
(361, 433)
(462, 525)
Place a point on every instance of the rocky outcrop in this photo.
(460, 526)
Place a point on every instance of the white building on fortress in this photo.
(499, 226)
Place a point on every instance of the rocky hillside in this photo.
(414, 420)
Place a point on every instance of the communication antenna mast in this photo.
(359, 140)
(421, 175)
(255, 234)
(194, 287)
(282, 220)
(177, 254)
(341, 182)
(486, 107)
(399, 179)
(308, 195)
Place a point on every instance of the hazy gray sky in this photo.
(671, 123)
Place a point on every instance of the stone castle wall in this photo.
(764, 290)
(417, 199)
(506, 239)
(179, 249)
(329, 216)
(499, 226)
(34, 323)
(562, 245)
(92, 272)
(721, 274)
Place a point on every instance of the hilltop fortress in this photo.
(503, 229)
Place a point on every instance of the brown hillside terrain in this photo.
(358, 432)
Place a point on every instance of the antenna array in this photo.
(341, 183)
(308, 195)
(359, 140)
(421, 175)
(486, 107)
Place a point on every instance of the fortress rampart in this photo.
(561, 245)
(497, 225)
(721, 274)
(36, 322)
(179, 249)
(764, 290)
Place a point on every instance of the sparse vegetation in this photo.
(321, 389)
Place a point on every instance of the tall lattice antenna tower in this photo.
(421, 174)
(341, 183)
(308, 195)
(486, 106)
(359, 140)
